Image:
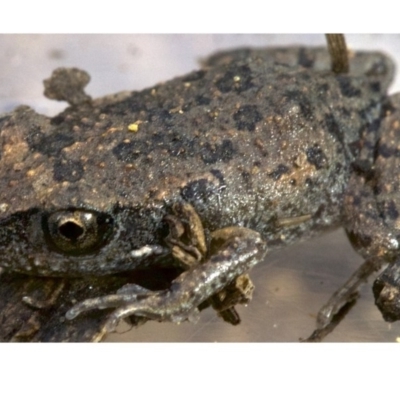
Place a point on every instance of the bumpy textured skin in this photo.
(372, 210)
(372, 201)
(261, 139)
(247, 141)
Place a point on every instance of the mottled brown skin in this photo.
(372, 221)
(259, 140)
(372, 209)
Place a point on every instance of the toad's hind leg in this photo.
(347, 292)
(234, 251)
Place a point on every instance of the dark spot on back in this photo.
(278, 172)
(375, 87)
(224, 152)
(67, 170)
(366, 112)
(52, 145)
(316, 156)
(197, 191)
(333, 127)
(127, 152)
(199, 100)
(386, 151)
(346, 86)
(219, 175)
(247, 117)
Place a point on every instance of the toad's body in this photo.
(262, 140)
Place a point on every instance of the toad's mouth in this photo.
(148, 250)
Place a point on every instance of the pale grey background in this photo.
(290, 285)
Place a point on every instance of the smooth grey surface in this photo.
(290, 285)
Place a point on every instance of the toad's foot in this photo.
(386, 291)
(236, 251)
(240, 291)
(332, 313)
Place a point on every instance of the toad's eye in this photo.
(77, 232)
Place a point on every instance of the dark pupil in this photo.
(71, 230)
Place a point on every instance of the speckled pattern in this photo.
(372, 205)
(253, 139)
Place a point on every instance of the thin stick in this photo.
(338, 51)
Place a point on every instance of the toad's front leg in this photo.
(234, 251)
